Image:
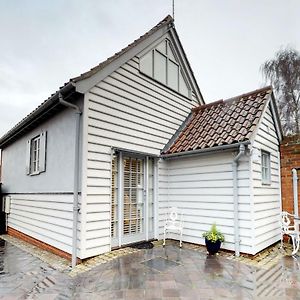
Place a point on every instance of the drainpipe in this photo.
(295, 191)
(236, 199)
(76, 176)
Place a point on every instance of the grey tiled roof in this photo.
(68, 86)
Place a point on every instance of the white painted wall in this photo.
(41, 205)
(125, 110)
(60, 153)
(266, 198)
(202, 189)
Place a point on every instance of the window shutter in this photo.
(28, 144)
(42, 158)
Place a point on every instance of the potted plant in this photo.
(213, 239)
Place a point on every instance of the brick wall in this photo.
(289, 158)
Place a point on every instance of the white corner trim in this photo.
(84, 153)
(186, 66)
(254, 133)
(275, 118)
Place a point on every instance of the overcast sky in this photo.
(44, 43)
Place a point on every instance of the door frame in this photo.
(119, 240)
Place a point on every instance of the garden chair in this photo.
(290, 229)
(173, 224)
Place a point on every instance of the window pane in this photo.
(160, 67)
(183, 89)
(265, 167)
(35, 155)
(146, 64)
(170, 53)
(173, 75)
(162, 47)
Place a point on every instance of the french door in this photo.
(132, 206)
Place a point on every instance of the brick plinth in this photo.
(40, 244)
(289, 159)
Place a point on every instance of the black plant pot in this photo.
(212, 248)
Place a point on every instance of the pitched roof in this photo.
(69, 86)
(221, 122)
(167, 20)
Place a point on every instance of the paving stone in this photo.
(123, 274)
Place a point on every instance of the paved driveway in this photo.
(158, 273)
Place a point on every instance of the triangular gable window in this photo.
(162, 65)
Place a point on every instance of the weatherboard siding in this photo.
(266, 198)
(126, 110)
(42, 205)
(202, 189)
(46, 217)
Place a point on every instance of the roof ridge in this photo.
(208, 105)
(167, 20)
(227, 123)
(268, 87)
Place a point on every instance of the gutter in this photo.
(295, 191)
(76, 175)
(235, 162)
(205, 150)
(27, 121)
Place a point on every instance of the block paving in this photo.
(158, 273)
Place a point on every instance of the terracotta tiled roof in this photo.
(221, 122)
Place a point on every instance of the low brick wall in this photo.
(289, 159)
(40, 244)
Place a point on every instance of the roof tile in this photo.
(222, 122)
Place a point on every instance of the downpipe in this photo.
(235, 163)
(76, 176)
(295, 191)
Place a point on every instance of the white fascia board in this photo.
(85, 85)
(275, 115)
(254, 133)
(186, 66)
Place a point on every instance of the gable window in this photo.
(36, 155)
(162, 65)
(265, 167)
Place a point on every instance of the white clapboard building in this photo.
(99, 163)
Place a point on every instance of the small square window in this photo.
(265, 167)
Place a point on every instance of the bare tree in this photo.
(283, 72)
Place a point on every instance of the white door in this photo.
(132, 209)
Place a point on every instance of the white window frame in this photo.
(168, 59)
(35, 151)
(265, 167)
(36, 155)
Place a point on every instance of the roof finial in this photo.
(173, 9)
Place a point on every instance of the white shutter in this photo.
(28, 150)
(42, 158)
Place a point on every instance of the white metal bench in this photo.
(287, 228)
(173, 224)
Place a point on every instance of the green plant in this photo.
(214, 234)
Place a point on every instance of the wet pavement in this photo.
(158, 273)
